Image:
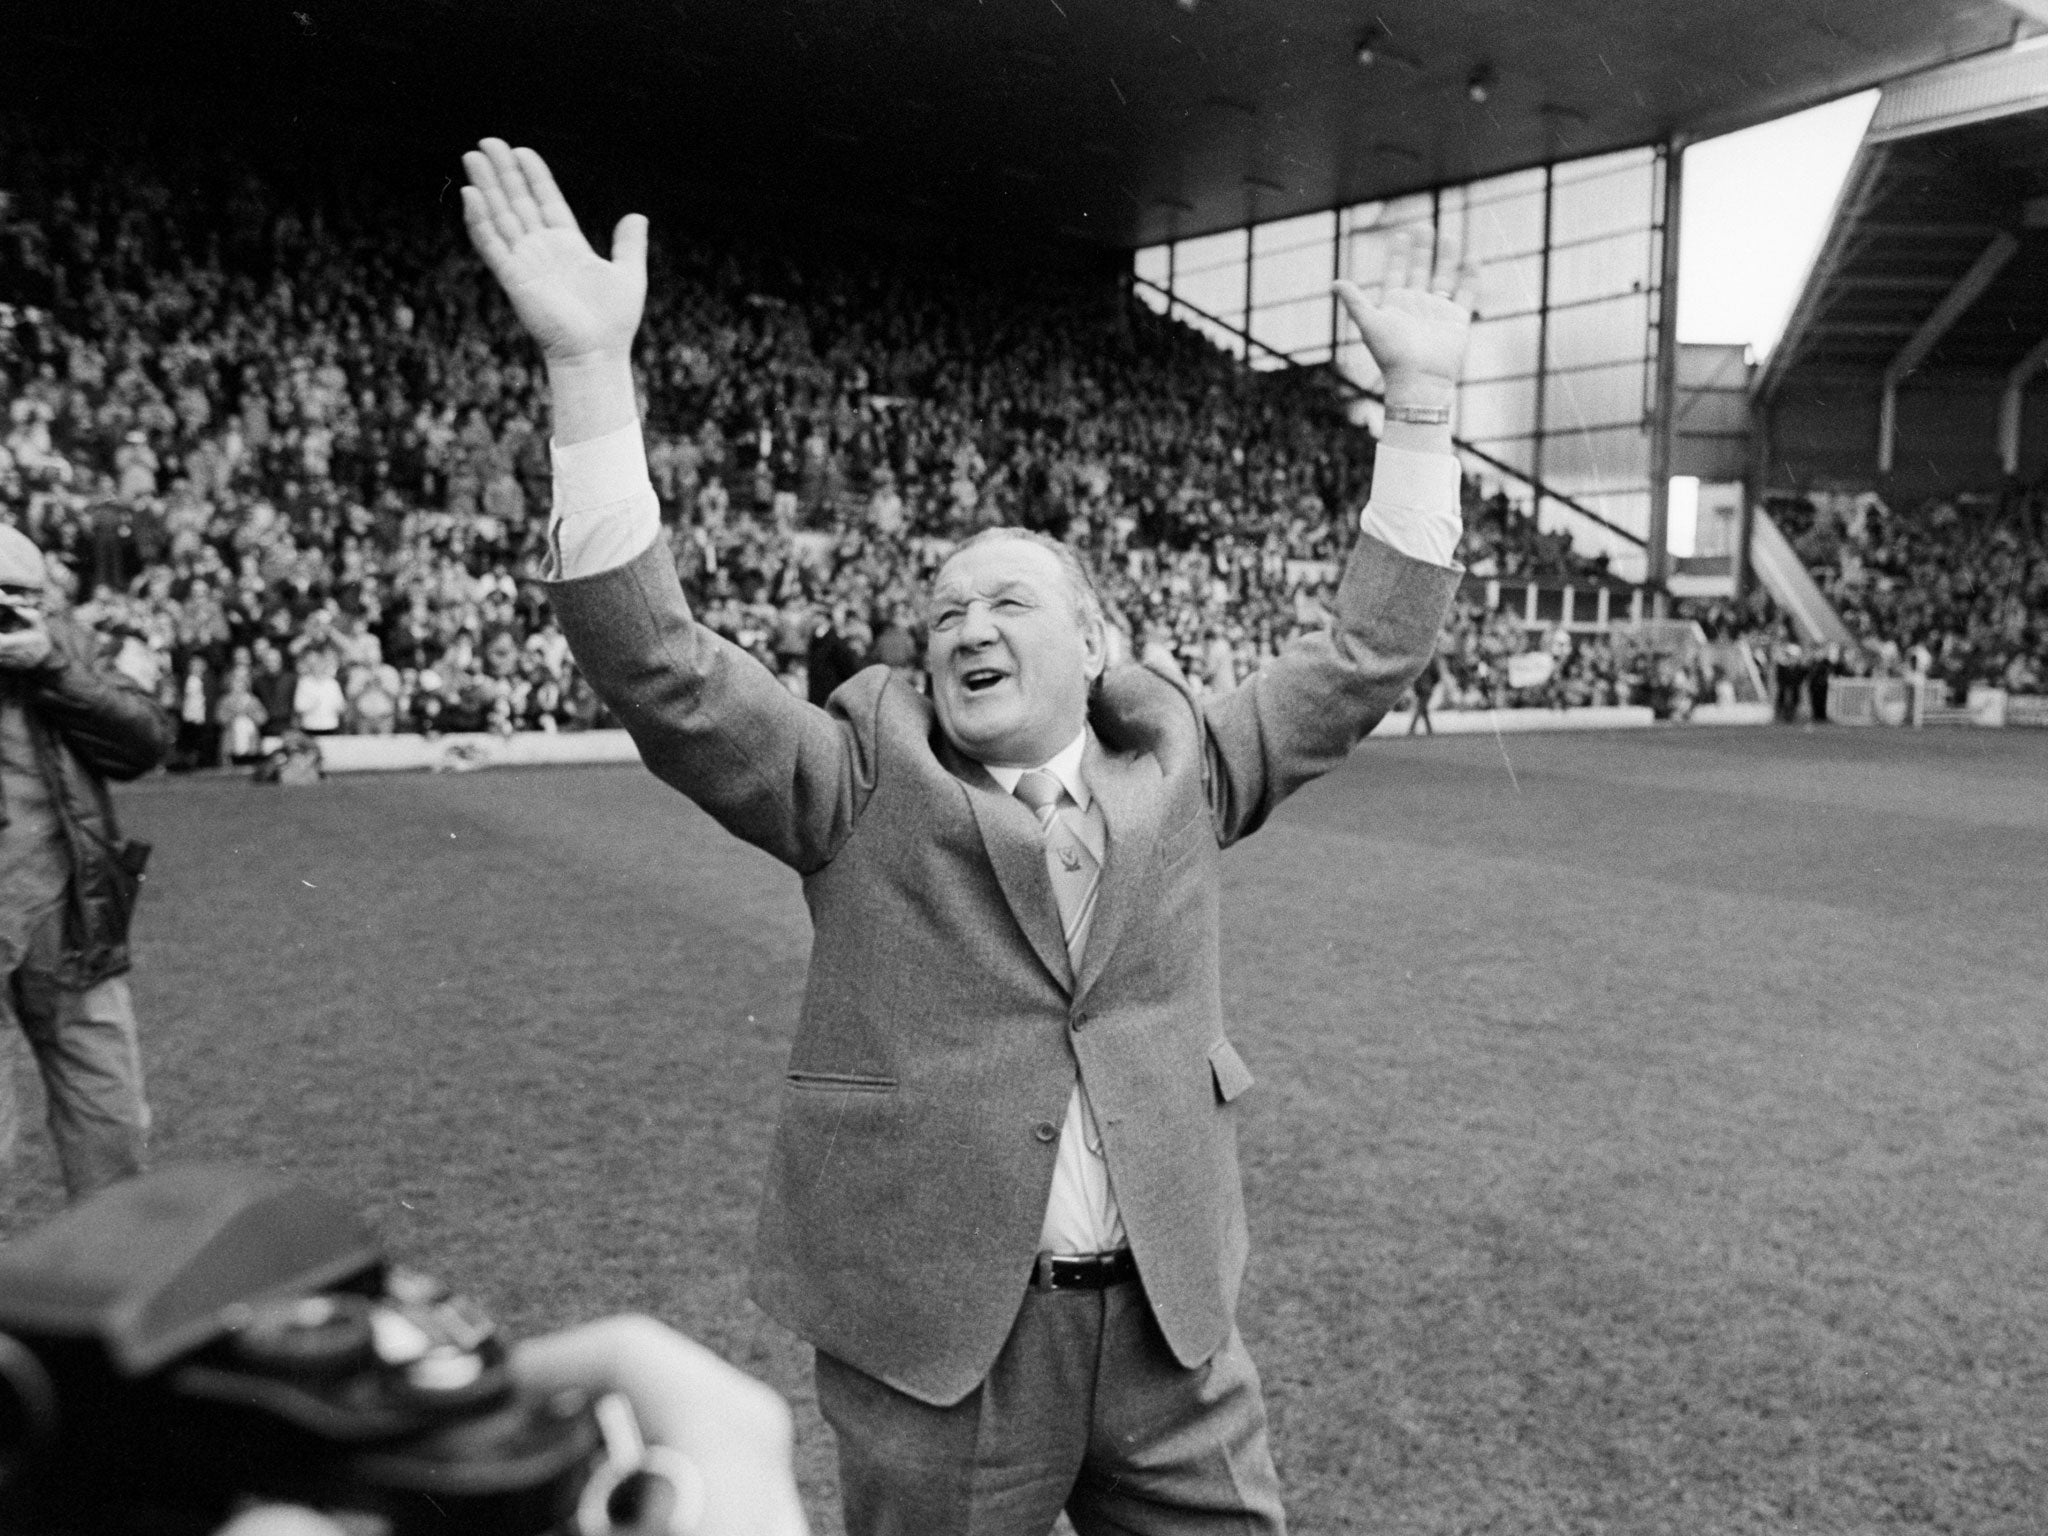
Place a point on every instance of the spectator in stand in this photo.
(1425, 686)
(248, 426)
(1818, 673)
(1789, 669)
(275, 686)
(198, 735)
(240, 717)
(832, 658)
(318, 702)
(1964, 581)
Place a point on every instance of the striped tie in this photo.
(1075, 872)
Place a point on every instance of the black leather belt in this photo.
(1098, 1272)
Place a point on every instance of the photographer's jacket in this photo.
(65, 729)
(943, 1026)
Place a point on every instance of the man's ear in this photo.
(1094, 650)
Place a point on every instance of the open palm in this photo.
(1418, 329)
(574, 302)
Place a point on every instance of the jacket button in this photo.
(1077, 1021)
(1045, 1130)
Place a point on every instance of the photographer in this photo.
(67, 877)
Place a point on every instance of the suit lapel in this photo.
(1016, 852)
(1126, 786)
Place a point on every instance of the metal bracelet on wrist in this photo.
(1420, 415)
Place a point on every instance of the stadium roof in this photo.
(1938, 253)
(1125, 122)
(1924, 320)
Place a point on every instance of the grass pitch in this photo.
(1653, 1139)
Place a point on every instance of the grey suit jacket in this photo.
(942, 1026)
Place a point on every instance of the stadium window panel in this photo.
(1298, 328)
(1511, 285)
(1606, 331)
(1154, 264)
(1497, 189)
(1208, 273)
(1595, 268)
(1588, 462)
(1206, 255)
(1596, 397)
(1498, 415)
(1504, 226)
(1283, 237)
(1608, 196)
(1415, 208)
(1292, 272)
(1503, 349)
(1219, 294)
(1597, 167)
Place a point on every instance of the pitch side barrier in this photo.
(1925, 701)
(459, 752)
(465, 753)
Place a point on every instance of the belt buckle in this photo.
(1041, 1273)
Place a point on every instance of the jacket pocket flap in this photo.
(842, 1082)
(1232, 1075)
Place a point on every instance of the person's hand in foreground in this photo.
(736, 1430)
(581, 308)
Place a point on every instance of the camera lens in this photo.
(312, 1336)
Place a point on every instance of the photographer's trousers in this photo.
(87, 1052)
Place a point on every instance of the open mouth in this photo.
(981, 679)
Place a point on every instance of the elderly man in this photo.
(1004, 1202)
(67, 877)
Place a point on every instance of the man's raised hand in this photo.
(581, 308)
(1418, 329)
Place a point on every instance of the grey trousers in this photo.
(1085, 1410)
(91, 1063)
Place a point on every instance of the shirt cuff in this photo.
(1414, 507)
(605, 511)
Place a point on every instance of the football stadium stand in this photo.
(293, 459)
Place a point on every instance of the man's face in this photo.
(1009, 657)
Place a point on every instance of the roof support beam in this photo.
(1664, 408)
(1893, 282)
(1859, 193)
(2009, 404)
(1967, 290)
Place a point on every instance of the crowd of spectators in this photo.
(1956, 590)
(292, 458)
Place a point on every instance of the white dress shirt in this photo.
(1080, 1215)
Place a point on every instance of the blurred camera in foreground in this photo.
(185, 1344)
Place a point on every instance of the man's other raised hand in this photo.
(575, 303)
(581, 308)
(1418, 328)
